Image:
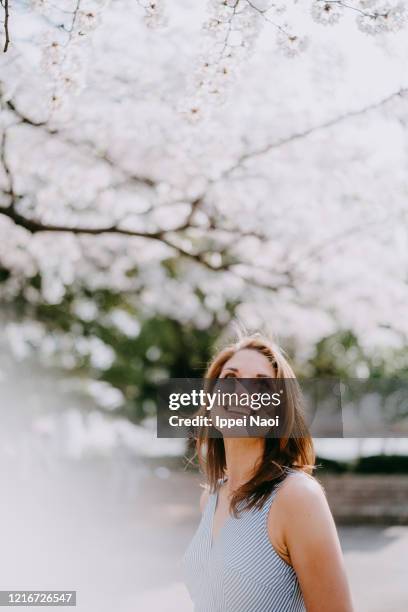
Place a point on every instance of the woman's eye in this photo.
(230, 375)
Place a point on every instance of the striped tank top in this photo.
(240, 571)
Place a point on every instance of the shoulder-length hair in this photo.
(294, 452)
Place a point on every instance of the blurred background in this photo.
(167, 169)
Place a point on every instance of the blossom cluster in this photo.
(384, 18)
(230, 32)
(64, 52)
(372, 16)
(154, 13)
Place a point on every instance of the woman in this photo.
(267, 540)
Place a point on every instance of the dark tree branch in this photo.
(75, 16)
(88, 149)
(230, 23)
(5, 5)
(24, 119)
(312, 130)
(227, 262)
(264, 14)
(35, 226)
(3, 158)
(372, 14)
(164, 236)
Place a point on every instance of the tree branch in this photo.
(5, 5)
(7, 172)
(312, 130)
(35, 226)
(87, 149)
(372, 14)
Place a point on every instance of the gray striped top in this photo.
(239, 571)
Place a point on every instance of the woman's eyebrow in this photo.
(232, 369)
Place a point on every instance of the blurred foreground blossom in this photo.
(105, 395)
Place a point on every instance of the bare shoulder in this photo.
(301, 492)
(204, 497)
(300, 501)
(300, 512)
(300, 483)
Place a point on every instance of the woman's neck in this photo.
(242, 456)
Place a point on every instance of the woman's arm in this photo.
(310, 537)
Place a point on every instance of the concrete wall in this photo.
(367, 499)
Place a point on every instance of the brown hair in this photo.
(295, 452)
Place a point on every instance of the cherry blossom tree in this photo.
(188, 157)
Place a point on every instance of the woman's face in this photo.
(245, 364)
